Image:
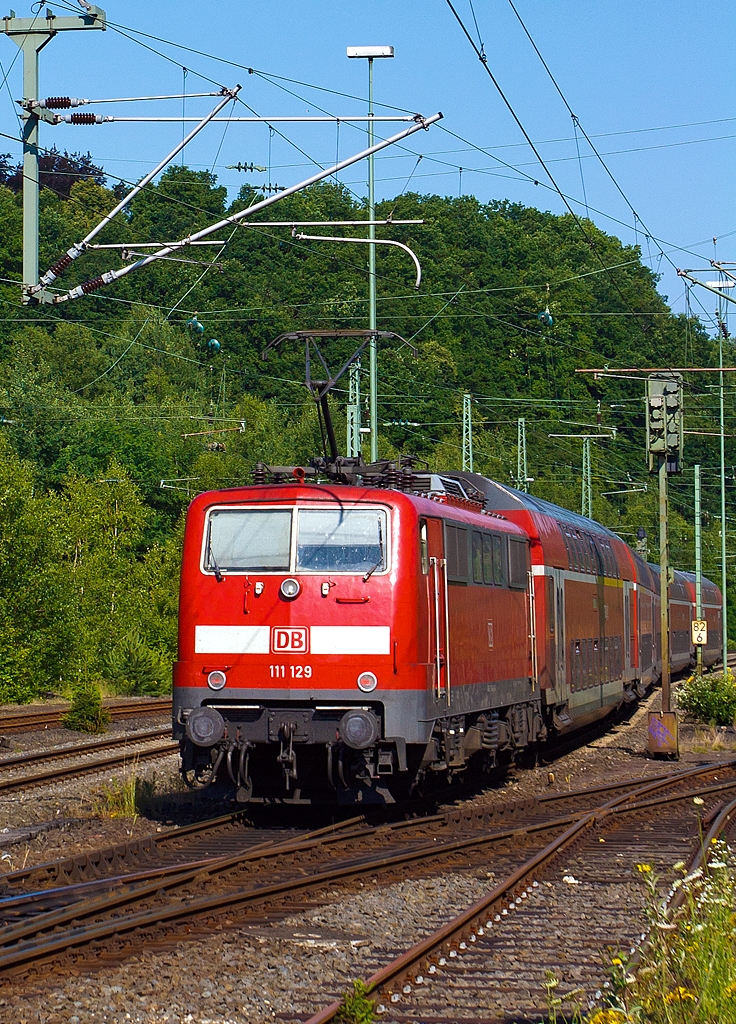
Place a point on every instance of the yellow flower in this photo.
(698, 800)
(679, 995)
(608, 1017)
(730, 990)
(617, 960)
(644, 869)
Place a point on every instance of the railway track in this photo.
(175, 888)
(78, 753)
(50, 718)
(560, 906)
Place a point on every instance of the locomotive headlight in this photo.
(205, 726)
(216, 680)
(367, 682)
(290, 589)
(359, 728)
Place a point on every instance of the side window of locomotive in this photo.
(488, 565)
(241, 540)
(517, 564)
(499, 562)
(341, 540)
(478, 539)
(424, 546)
(456, 552)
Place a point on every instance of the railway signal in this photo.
(665, 435)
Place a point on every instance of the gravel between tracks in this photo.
(249, 975)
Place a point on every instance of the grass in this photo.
(128, 797)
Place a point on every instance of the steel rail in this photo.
(82, 748)
(24, 946)
(467, 925)
(84, 768)
(17, 721)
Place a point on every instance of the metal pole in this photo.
(587, 498)
(354, 411)
(467, 432)
(664, 571)
(522, 476)
(373, 347)
(31, 35)
(724, 619)
(698, 566)
(30, 50)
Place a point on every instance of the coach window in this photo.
(456, 552)
(518, 564)
(499, 562)
(488, 559)
(424, 546)
(477, 557)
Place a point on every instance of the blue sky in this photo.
(651, 82)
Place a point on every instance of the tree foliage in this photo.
(114, 414)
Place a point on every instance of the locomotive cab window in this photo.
(248, 539)
(341, 540)
(424, 546)
(242, 540)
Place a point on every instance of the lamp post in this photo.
(371, 53)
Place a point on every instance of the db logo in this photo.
(293, 639)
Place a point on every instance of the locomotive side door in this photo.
(439, 614)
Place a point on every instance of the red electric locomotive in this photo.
(341, 641)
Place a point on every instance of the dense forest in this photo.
(115, 410)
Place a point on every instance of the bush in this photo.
(709, 699)
(136, 670)
(86, 713)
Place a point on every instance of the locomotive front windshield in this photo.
(325, 540)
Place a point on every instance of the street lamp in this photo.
(371, 53)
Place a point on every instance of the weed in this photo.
(86, 713)
(357, 1006)
(686, 973)
(126, 798)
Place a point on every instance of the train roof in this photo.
(501, 498)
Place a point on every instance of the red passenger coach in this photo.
(342, 641)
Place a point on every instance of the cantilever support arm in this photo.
(76, 250)
(364, 241)
(115, 275)
(716, 291)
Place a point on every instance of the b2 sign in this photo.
(699, 631)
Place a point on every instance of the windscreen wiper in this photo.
(379, 563)
(211, 561)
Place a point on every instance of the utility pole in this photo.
(353, 445)
(31, 35)
(726, 280)
(370, 53)
(698, 566)
(587, 496)
(722, 336)
(467, 433)
(522, 476)
(665, 438)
